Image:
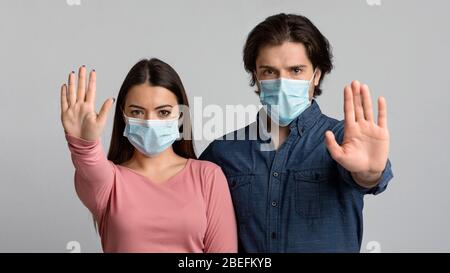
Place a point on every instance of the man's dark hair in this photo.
(280, 28)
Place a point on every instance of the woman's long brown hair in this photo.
(156, 73)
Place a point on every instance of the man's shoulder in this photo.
(331, 123)
(235, 141)
(239, 136)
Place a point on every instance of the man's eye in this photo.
(268, 72)
(296, 70)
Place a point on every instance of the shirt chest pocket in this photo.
(309, 189)
(240, 188)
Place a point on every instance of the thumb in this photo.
(103, 115)
(332, 146)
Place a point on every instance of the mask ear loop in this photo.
(180, 118)
(181, 127)
(124, 116)
(314, 86)
(258, 88)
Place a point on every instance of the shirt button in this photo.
(275, 174)
(274, 204)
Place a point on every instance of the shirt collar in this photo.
(307, 119)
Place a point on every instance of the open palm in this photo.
(365, 146)
(78, 114)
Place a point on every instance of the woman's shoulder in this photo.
(210, 177)
(207, 170)
(204, 165)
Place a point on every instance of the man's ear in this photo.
(317, 77)
(258, 88)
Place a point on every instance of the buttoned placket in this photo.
(277, 178)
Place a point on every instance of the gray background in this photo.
(400, 48)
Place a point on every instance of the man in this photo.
(306, 194)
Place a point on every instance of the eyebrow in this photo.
(292, 66)
(163, 106)
(136, 106)
(159, 107)
(298, 65)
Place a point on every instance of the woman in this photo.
(150, 194)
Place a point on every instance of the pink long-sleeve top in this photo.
(190, 212)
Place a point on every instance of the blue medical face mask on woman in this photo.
(290, 98)
(151, 137)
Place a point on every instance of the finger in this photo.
(72, 94)
(382, 112)
(64, 102)
(349, 110)
(102, 116)
(367, 103)
(332, 146)
(357, 102)
(81, 83)
(90, 93)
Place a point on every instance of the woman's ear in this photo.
(123, 114)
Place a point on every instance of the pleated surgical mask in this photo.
(285, 99)
(151, 137)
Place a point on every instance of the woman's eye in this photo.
(136, 112)
(164, 113)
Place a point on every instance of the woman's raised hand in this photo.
(78, 114)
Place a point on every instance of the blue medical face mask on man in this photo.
(290, 98)
(151, 137)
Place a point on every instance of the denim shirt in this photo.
(296, 198)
